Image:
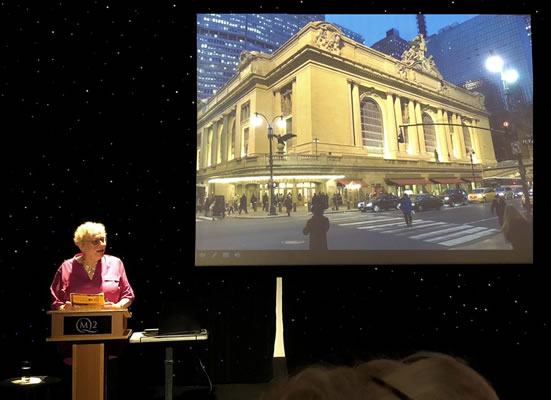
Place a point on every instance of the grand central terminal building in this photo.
(364, 123)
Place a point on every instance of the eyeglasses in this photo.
(97, 241)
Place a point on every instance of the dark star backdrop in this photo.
(98, 123)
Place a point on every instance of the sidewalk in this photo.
(301, 211)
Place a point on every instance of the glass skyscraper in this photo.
(222, 37)
(460, 52)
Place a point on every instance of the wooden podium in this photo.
(88, 330)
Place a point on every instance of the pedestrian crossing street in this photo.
(441, 233)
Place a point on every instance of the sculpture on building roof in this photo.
(415, 57)
(329, 38)
(245, 58)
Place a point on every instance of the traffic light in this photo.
(506, 127)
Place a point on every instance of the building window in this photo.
(245, 147)
(430, 134)
(287, 102)
(245, 111)
(372, 127)
(467, 137)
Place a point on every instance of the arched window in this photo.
(430, 134)
(467, 137)
(372, 127)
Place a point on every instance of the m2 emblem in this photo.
(90, 325)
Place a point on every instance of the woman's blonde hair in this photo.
(88, 229)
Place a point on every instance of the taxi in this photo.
(482, 195)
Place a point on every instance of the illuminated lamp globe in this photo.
(494, 64)
(510, 75)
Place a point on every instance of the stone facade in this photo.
(346, 103)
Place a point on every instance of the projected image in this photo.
(317, 145)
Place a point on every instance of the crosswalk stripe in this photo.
(451, 234)
(377, 227)
(370, 221)
(452, 228)
(468, 238)
(456, 234)
(415, 226)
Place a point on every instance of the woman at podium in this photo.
(91, 272)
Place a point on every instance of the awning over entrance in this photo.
(470, 179)
(352, 183)
(451, 180)
(409, 181)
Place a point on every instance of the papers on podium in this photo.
(82, 301)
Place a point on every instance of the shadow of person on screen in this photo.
(317, 228)
(518, 230)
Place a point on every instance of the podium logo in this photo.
(86, 325)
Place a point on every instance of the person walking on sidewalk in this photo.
(406, 207)
(265, 202)
(317, 228)
(289, 205)
(243, 204)
(253, 202)
(498, 207)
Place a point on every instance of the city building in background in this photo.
(222, 37)
(392, 45)
(349, 107)
(460, 53)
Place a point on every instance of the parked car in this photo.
(382, 202)
(505, 191)
(452, 197)
(482, 195)
(518, 192)
(422, 202)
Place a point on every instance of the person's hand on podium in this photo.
(67, 306)
(111, 305)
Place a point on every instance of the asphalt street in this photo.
(469, 226)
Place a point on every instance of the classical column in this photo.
(442, 136)
(225, 141)
(294, 114)
(399, 121)
(420, 128)
(216, 145)
(413, 138)
(448, 131)
(351, 113)
(476, 141)
(456, 144)
(461, 138)
(238, 133)
(205, 147)
(357, 114)
(391, 137)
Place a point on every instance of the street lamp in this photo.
(495, 64)
(316, 140)
(257, 121)
(471, 153)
